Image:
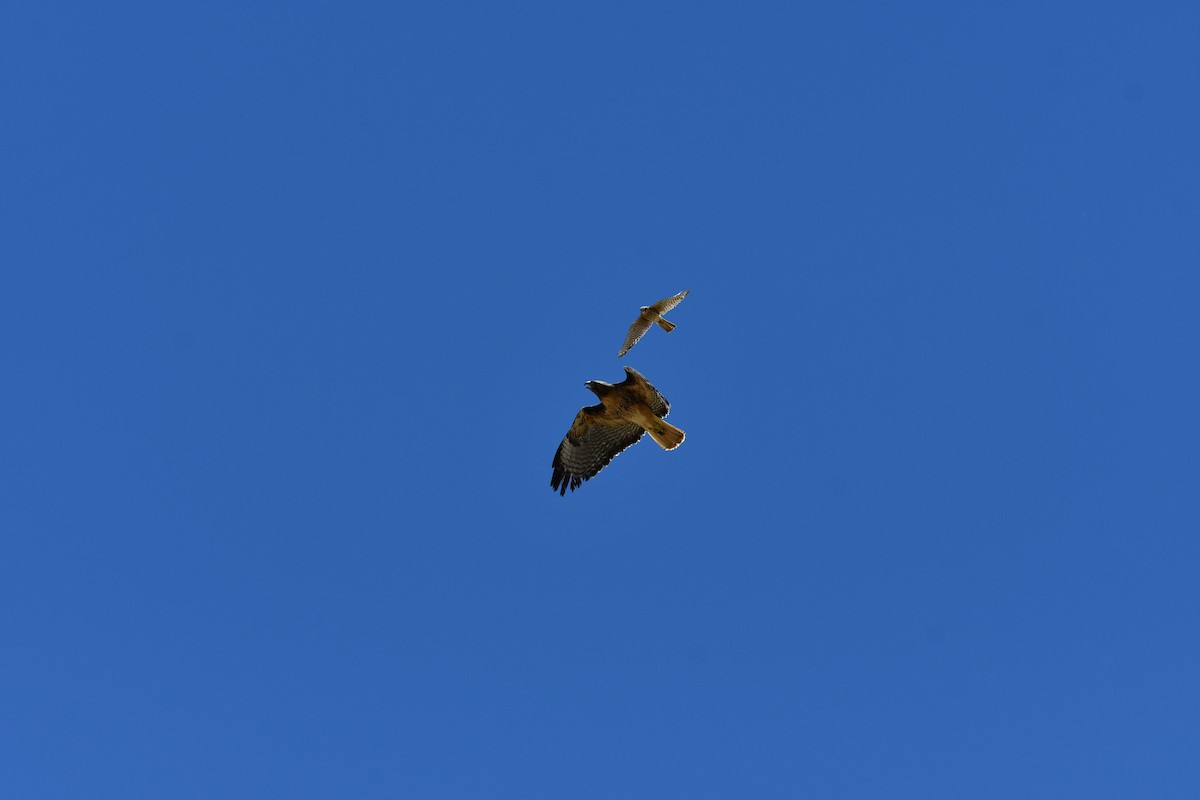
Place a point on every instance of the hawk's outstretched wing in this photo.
(636, 331)
(651, 396)
(592, 442)
(666, 304)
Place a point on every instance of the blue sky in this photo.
(299, 299)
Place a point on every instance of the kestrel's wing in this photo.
(593, 441)
(636, 331)
(653, 397)
(663, 306)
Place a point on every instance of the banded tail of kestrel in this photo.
(649, 315)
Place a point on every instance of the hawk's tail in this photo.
(667, 435)
(666, 325)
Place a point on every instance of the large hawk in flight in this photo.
(626, 411)
(647, 316)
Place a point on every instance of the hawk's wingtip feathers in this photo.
(561, 480)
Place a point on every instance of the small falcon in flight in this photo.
(626, 411)
(648, 316)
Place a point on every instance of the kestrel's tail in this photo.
(667, 435)
(667, 325)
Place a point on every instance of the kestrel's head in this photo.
(644, 308)
(600, 388)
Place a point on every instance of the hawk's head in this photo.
(600, 388)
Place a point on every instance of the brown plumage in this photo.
(626, 411)
(649, 315)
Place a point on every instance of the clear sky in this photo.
(298, 299)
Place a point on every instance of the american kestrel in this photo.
(648, 316)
